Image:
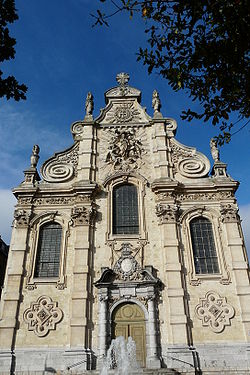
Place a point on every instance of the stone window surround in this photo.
(213, 216)
(140, 185)
(35, 225)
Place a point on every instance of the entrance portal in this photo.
(128, 320)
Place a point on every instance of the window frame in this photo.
(36, 224)
(140, 186)
(223, 276)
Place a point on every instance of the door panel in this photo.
(128, 320)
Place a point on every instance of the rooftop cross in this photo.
(122, 78)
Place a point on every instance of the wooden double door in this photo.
(128, 320)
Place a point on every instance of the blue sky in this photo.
(60, 57)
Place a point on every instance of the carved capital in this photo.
(214, 312)
(166, 213)
(82, 215)
(42, 316)
(22, 218)
(229, 213)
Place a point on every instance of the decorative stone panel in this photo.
(214, 312)
(42, 316)
(82, 215)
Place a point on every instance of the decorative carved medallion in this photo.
(125, 150)
(42, 316)
(166, 213)
(127, 268)
(62, 166)
(215, 312)
(229, 214)
(123, 113)
(21, 217)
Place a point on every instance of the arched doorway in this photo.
(128, 320)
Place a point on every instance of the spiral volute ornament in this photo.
(58, 172)
(193, 167)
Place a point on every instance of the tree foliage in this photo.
(201, 47)
(9, 86)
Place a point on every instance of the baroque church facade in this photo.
(126, 233)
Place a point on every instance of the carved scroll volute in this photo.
(62, 167)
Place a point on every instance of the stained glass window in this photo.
(125, 210)
(48, 251)
(204, 251)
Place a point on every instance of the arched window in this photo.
(48, 251)
(125, 210)
(204, 251)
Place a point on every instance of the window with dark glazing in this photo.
(48, 251)
(125, 210)
(204, 251)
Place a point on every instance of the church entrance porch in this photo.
(128, 320)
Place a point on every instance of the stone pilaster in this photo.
(167, 214)
(11, 296)
(81, 279)
(231, 221)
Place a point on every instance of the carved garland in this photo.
(42, 316)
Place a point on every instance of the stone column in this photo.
(152, 359)
(102, 325)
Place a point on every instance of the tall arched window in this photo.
(125, 210)
(204, 251)
(48, 251)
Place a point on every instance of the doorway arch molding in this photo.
(113, 292)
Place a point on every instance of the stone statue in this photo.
(35, 156)
(156, 102)
(89, 104)
(214, 150)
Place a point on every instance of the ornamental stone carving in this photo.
(214, 150)
(127, 268)
(123, 113)
(89, 105)
(124, 150)
(42, 316)
(188, 162)
(229, 214)
(62, 166)
(82, 215)
(214, 312)
(166, 213)
(21, 217)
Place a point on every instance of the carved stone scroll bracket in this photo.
(42, 316)
(21, 218)
(166, 213)
(229, 213)
(214, 312)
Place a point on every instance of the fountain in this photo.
(121, 358)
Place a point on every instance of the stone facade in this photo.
(64, 322)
